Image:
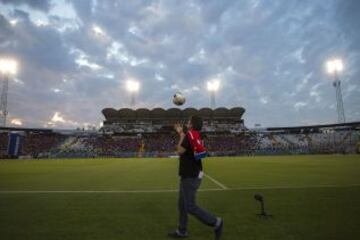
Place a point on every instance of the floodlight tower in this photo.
(132, 87)
(213, 87)
(335, 67)
(8, 67)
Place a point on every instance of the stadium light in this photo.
(334, 67)
(13, 22)
(8, 67)
(213, 86)
(132, 87)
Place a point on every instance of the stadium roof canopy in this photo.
(127, 114)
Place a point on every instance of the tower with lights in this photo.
(8, 67)
(334, 67)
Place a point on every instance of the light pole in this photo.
(213, 87)
(335, 67)
(8, 67)
(132, 87)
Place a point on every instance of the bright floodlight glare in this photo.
(334, 66)
(213, 86)
(13, 22)
(132, 86)
(8, 66)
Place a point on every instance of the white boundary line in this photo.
(176, 190)
(295, 187)
(216, 181)
(104, 191)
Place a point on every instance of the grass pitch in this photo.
(311, 197)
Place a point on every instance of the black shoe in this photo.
(218, 230)
(177, 234)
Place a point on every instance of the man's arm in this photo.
(179, 129)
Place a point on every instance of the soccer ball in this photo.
(178, 99)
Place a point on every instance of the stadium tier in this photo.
(126, 120)
(320, 139)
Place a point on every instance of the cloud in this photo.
(303, 82)
(82, 60)
(348, 19)
(16, 122)
(59, 120)
(264, 100)
(299, 105)
(43, 5)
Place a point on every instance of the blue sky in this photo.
(75, 57)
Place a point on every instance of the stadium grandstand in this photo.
(161, 120)
(149, 133)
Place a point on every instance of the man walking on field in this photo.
(190, 171)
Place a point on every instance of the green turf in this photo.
(311, 197)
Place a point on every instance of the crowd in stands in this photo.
(315, 143)
(38, 144)
(230, 144)
(3, 144)
(163, 144)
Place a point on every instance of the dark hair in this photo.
(196, 122)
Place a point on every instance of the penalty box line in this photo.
(216, 181)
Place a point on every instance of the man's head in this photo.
(195, 122)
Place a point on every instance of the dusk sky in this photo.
(75, 57)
